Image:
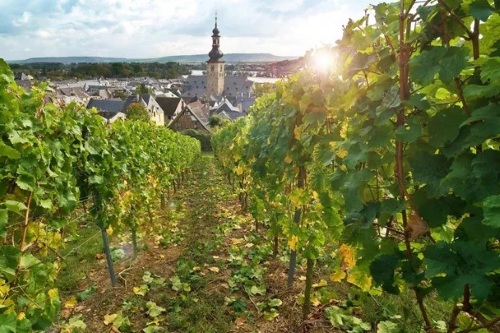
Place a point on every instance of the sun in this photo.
(322, 60)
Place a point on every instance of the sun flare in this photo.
(322, 60)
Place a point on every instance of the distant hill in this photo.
(69, 60)
(230, 57)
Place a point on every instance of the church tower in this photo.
(215, 66)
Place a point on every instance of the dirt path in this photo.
(212, 272)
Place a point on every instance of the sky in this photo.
(156, 28)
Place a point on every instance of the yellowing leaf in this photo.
(315, 301)
(214, 269)
(69, 304)
(338, 276)
(288, 159)
(237, 241)
(360, 279)
(296, 133)
(108, 319)
(141, 291)
(53, 293)
(292, 242)
(4, 288)
(342, 153)
(321, 283)
(196, 268)
(109, 231)
(348, 256)
(239, 170)
(343, 130)
(21, 316)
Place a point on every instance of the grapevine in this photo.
(53, 157)
(389, 156)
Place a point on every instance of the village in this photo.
(187, 102)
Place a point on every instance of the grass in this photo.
(80, 258)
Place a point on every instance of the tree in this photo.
(142, 89)
(216, 121)
(263, 88)
(138, 112)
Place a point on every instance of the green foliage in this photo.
(204, 138)
(137, 112)
(51, 159)
(399, 141)
(58, 71)
(215, 121)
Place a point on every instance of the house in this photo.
(108, 107)
(68, 95)
(189, 118)
(171, 106)
(111, 117)
(225, 109)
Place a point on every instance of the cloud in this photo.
(155, 28)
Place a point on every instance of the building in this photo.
(171, 106)
(107, 108)
(216, 84)
(215, 66)
(193, 116)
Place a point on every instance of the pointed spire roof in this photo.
(216, 30)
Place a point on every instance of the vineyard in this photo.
(387, 160)
(362, 197)
(55, 161)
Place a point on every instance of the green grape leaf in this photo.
(427, 168)
(382, 270)
(8, 151)
(444, 126)
(425, 66)
(491, 211)
(411, 132)
(154, 310)
(4, 218)
(481, 9)
(490, 70)
(315, 118)
(453, 265)
(8, 323)
(387, 327)
(15, 206)
(152, 329)
(86, 294)
(28, 260)
(448, 62)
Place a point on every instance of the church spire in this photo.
(215, 54)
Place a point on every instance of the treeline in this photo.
(59, 71)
